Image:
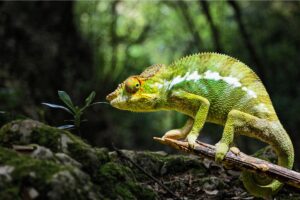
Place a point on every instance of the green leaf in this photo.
(67, 126)
(51, 105)
(90, 98)
(100, 102)
(66, 99)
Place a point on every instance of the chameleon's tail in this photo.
(262, 186)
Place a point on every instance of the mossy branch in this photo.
(239, 161)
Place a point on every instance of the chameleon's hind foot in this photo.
(221, 151)
(235, 150)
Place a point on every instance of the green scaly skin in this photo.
(216, 88)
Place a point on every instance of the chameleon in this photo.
(213, 88)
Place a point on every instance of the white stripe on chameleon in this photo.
(228, 79)
(210, 75)
(251, 93)
(261, 108)
(176, 80)
(232, 81)
(193, 76)
(189, 77)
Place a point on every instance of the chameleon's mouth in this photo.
(117, 101)
(114, 94)
(111, 96)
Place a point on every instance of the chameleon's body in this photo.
(211, 87)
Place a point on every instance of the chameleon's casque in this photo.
(211, 87)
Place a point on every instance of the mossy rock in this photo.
(58, 159)
(23, 177)
(33, 132)
(160, 163)
(63, 166)
(118, 182)
(26, 132)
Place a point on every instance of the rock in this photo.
(158, 163)
(28, 176)
(5, 174)
(67, 160)
(74, 184)
(42, 153)
(26, 132)
(123, 181)
(61, 162)
(32, 193)
(42, 162)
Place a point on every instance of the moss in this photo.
(90, 158)
(9, 192)
(47, 136)
(33, 132)
(159, 164)
(28, 132)
(118, 181)
(26, 171)
(7, 135)
(141, 192)
(180, 163)
(44, 176)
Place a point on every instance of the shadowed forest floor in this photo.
(42, 162)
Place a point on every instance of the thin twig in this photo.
(122, 155)
(238, 160)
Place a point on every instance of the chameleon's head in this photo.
(142, 93)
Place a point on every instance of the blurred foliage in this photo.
(94, 45)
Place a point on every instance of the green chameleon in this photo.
(211, 87)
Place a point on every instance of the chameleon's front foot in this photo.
(221, 151)
(174, 134)
(191, 138)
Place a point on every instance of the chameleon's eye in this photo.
(132, 85)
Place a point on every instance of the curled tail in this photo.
(262, 186)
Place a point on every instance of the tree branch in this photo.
(247, 40)
(114, 41)
(183, 7)
(215, 32)
(238, 160)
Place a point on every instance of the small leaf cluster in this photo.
(74, 110)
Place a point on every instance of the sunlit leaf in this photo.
(58, 107)
(66, 99)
